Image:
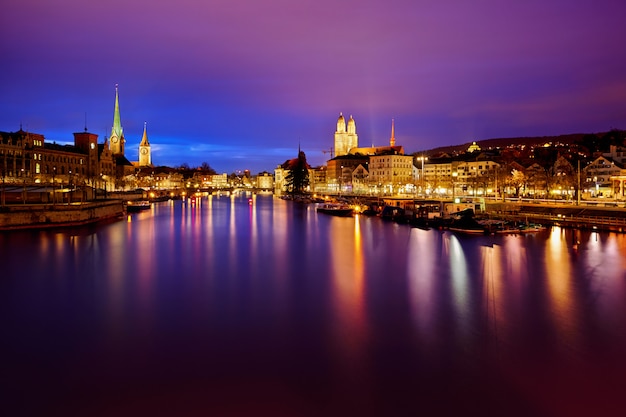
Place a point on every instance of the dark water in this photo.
(222, 308)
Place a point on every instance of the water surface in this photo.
(218, 307)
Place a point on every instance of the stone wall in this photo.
(49, 215)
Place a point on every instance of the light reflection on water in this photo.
(272, 305)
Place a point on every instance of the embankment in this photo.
(38, 216)
(579, 217)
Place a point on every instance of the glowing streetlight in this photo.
(422, 159)
(454, 175)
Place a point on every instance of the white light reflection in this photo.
(458, 269)
(422, 261)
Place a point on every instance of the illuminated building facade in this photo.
(145, 155)
(345, 137)
(28, 159)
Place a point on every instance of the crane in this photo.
(329, 150)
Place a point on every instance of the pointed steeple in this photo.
(117, 124)
(392, 140)
(117, 133)
(144, 139)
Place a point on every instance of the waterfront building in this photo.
(381, 167)
(339, 171)
(391, 169)
(618, 181)
(265, 181)
(476, 177)
(600, 176)
(27, 158)
(317, 179)
(206, 179)
(438, 175)
(279, 180)
(361, 180)
(157, 178)
(536, 180)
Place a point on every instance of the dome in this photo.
(341, 123)
(351, 125)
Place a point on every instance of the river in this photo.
(221, 306)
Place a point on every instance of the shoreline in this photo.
(48, 216)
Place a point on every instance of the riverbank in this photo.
(425, 212)
(42, 216)
(610, 219)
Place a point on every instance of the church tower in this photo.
(392, 140)
(145, 156)
(345, 139)
(117, 133)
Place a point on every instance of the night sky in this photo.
(240, 83)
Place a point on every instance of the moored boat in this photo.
(134, 206)
(335, 209)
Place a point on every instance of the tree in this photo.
(517, 180)
(207, 168)
(297, 179)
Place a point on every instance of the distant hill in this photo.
(504, 142)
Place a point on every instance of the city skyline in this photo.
(241, 85)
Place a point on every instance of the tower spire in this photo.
(392, 140)
(144, 139)
(117, 133)
(117, 124)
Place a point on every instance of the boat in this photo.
(531, 228)
(464, 222)
(134, 206)
(393, 213)
(504, 228)
(335, 209)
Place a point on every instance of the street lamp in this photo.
(24, 182)
(340, 180)
(422, 159)
(54, 194)
(454, 175)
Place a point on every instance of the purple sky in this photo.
(239, 83)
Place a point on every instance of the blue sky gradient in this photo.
(240, 84)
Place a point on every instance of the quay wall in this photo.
(37, 216)
(611, 219)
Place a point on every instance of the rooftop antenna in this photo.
(85, 121)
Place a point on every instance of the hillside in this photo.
(504, 142)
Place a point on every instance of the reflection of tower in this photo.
(345, 139)
(392, 140)
(145, 157)
(117, 134)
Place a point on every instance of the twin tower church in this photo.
(117, 141)
(347, 141)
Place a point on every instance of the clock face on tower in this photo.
(144, 151)
(114, 139)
